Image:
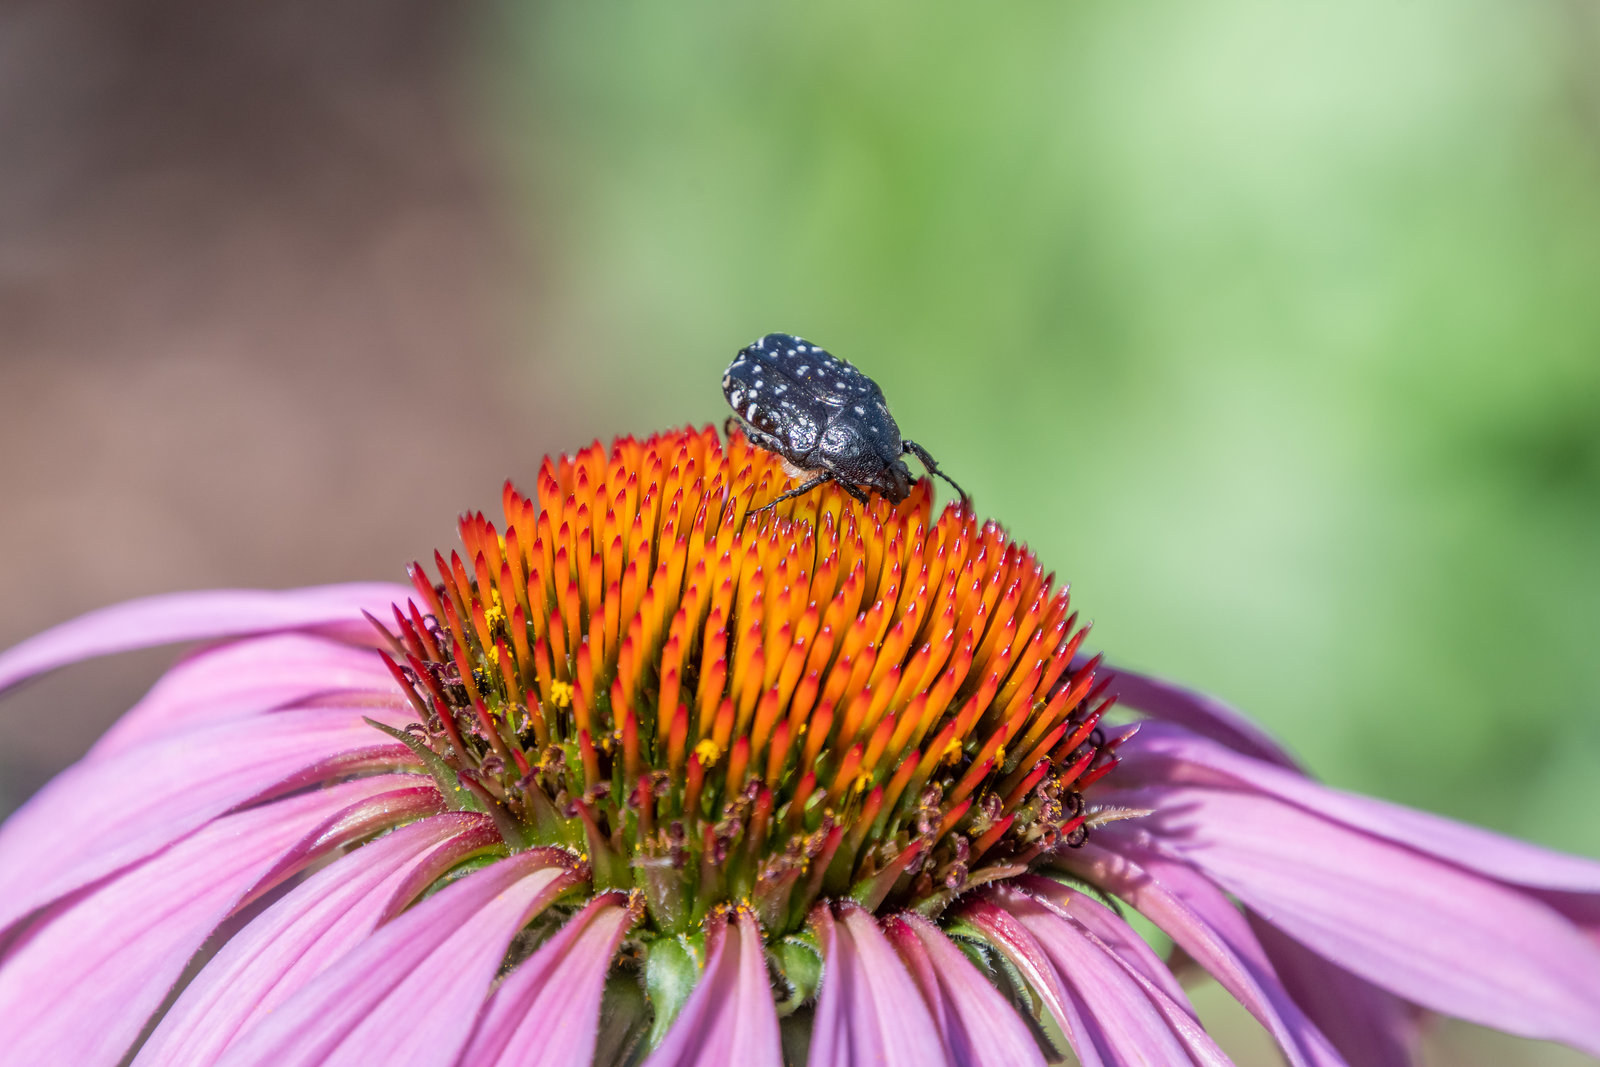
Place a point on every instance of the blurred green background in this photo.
(1275, 331)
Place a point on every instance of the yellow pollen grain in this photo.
(494, 616)
(561, 694)
(862, 781)
(708, 752)
(952, 751)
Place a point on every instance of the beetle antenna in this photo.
(933, 468)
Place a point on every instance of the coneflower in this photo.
(641, 774)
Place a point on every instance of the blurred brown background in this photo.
(256, 299)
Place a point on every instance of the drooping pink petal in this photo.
(79, 982)
(408, 995)
(1119, 1016)
(1164, 754)
(1080, 937)
(979, 1027)
(1367, 1024)
(1109, 927)
(729, 1020)
(174, 617)
(1428, 931)
(249, 677)
(301, 935)
(1581, 909)
(1033, 963)
(868, 1009)
(1206, 925)
(1203, 714)
(547, 1012)
(99, 815)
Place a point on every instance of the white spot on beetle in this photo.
(860, 410)
(750, 412)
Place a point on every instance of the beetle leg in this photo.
(799, 490)
(854, 491)
(732, 423)
(933, 468)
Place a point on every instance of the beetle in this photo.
(824, 418)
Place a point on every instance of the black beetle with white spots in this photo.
(823, 417)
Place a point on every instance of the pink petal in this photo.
(547, 1011)
(410, 993)
(301, 935)
(100, 815)
(164, 620)
(1028, 956)
(729, 1020)
(1581, 909)
(1119, 1016)
(1206, 925)
(1367, 1024)
(1166, 755)
(249, 677)
(78, 983)
(868, 1009)
(1428, 931)
(1106, 925)
(980, 1027)
(1203, 714)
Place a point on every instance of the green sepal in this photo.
(549, 828)
(623, 1015)
(671, 972)
(799, 960)
(794, 1032)
(664, 890)
(933, 905)
(870, 892)
(610, 869)
(444, 776)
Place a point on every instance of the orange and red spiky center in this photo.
(716, 706)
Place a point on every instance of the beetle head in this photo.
(867, 454)
(892, 480)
